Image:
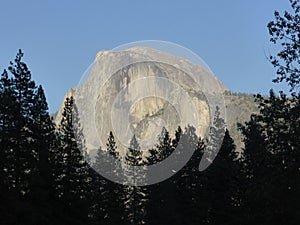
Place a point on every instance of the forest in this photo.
(46, 177)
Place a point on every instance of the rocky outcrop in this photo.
(131, 92)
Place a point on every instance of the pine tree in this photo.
(135, 197)
(186, 180)
(221, 184)
(134, 154)
(108, 161)
(111, 146)
(100, 192)
(214, 141)
(7, 118)
(157, 193)
(21, 91)
(107, 195)
(164, 145)
(162, 149)
(271, 160)
(173, 201)
(178, 134)
(28, 152)
(72, 181)
(44, 146)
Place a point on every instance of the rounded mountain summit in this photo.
(140, 90)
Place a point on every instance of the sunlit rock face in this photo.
(129, 92)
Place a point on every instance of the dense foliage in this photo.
(45, 177)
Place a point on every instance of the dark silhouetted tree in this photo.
(285, 31)
(44, 134)
(71, 172)
(7, 119)
(221, 184)
(21, 135)
(135, 197)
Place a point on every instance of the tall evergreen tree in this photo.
(186, 180)
(178, 134)
(135, 197)
(7, 118)
(221, 184)
(134, 155)
(271, 160)
(72, 181)
(271, 154)
(157, 193)
(20, 91)
(27, 139)
(107, 195)
(111, 146)
(44, 147)
(164, 145)
(100, 192)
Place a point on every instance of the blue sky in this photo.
(61, 38)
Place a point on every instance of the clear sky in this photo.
(61, 38)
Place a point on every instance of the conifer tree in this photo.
(185, 180)
(111, 146)
(221, 185)
(21, 90)
(72, 181)
(107, 195)
(100, 192)
(271, 160)
(44, 146)
(157, 193)
(134, 154)
(164, 145)
(178, 133)
(135, 197)
(7, 118)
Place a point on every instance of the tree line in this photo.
(45, 177)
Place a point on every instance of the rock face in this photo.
(131, 92)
